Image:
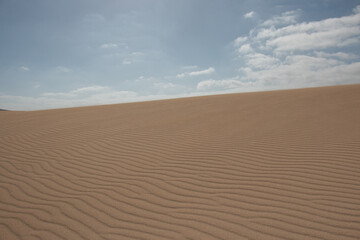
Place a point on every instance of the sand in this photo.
(266, 165)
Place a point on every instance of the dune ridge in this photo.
(265, 165)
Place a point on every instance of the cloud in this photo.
(215, 84)
(288, 17)
(78, 91)
(282, 53)
(246, 48)
(238, 41)
(143, 79)
(356, 10)
(249, 14)
(223, 84)
(181, 75)
(23, 68)
(197, 73)
(340, 55)
(85, 96)
(261, 61)
(202, 72)
(94, 88)
(332, 32)
(301, 41)
(303, 71)
(91, 95)
(109, 45)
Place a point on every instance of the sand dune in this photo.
(268, 165)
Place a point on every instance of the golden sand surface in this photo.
(265, 165)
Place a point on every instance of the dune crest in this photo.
(267, 165)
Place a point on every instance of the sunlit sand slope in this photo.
(269, 165)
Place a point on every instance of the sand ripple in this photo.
(271, 165)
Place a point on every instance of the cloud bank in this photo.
(92, 95)
(283, 53)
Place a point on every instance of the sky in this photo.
(69, 53)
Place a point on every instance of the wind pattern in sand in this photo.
(270, 165)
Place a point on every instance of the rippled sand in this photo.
(268, 165)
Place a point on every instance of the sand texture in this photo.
(267, 165)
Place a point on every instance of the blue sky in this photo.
(57, 54)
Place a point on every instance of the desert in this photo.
(262, 165)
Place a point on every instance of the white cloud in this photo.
(249, 14)
(224, 84)
(317, 40)
(288, 17)
(246, 48)
(202, 72)
(240, 40)
(95, 95)
(310, 27)
(94, 88)
(197, 73)
(300, 71)
(109, 45)
(91, 95)
(332, 32)
(262, 61)
(340, 55)
(24, 68)
(181, 75)
(77, 92)
(216, 84)
(357, 9)
(295, 72)
(144, 79)
(281, 53)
